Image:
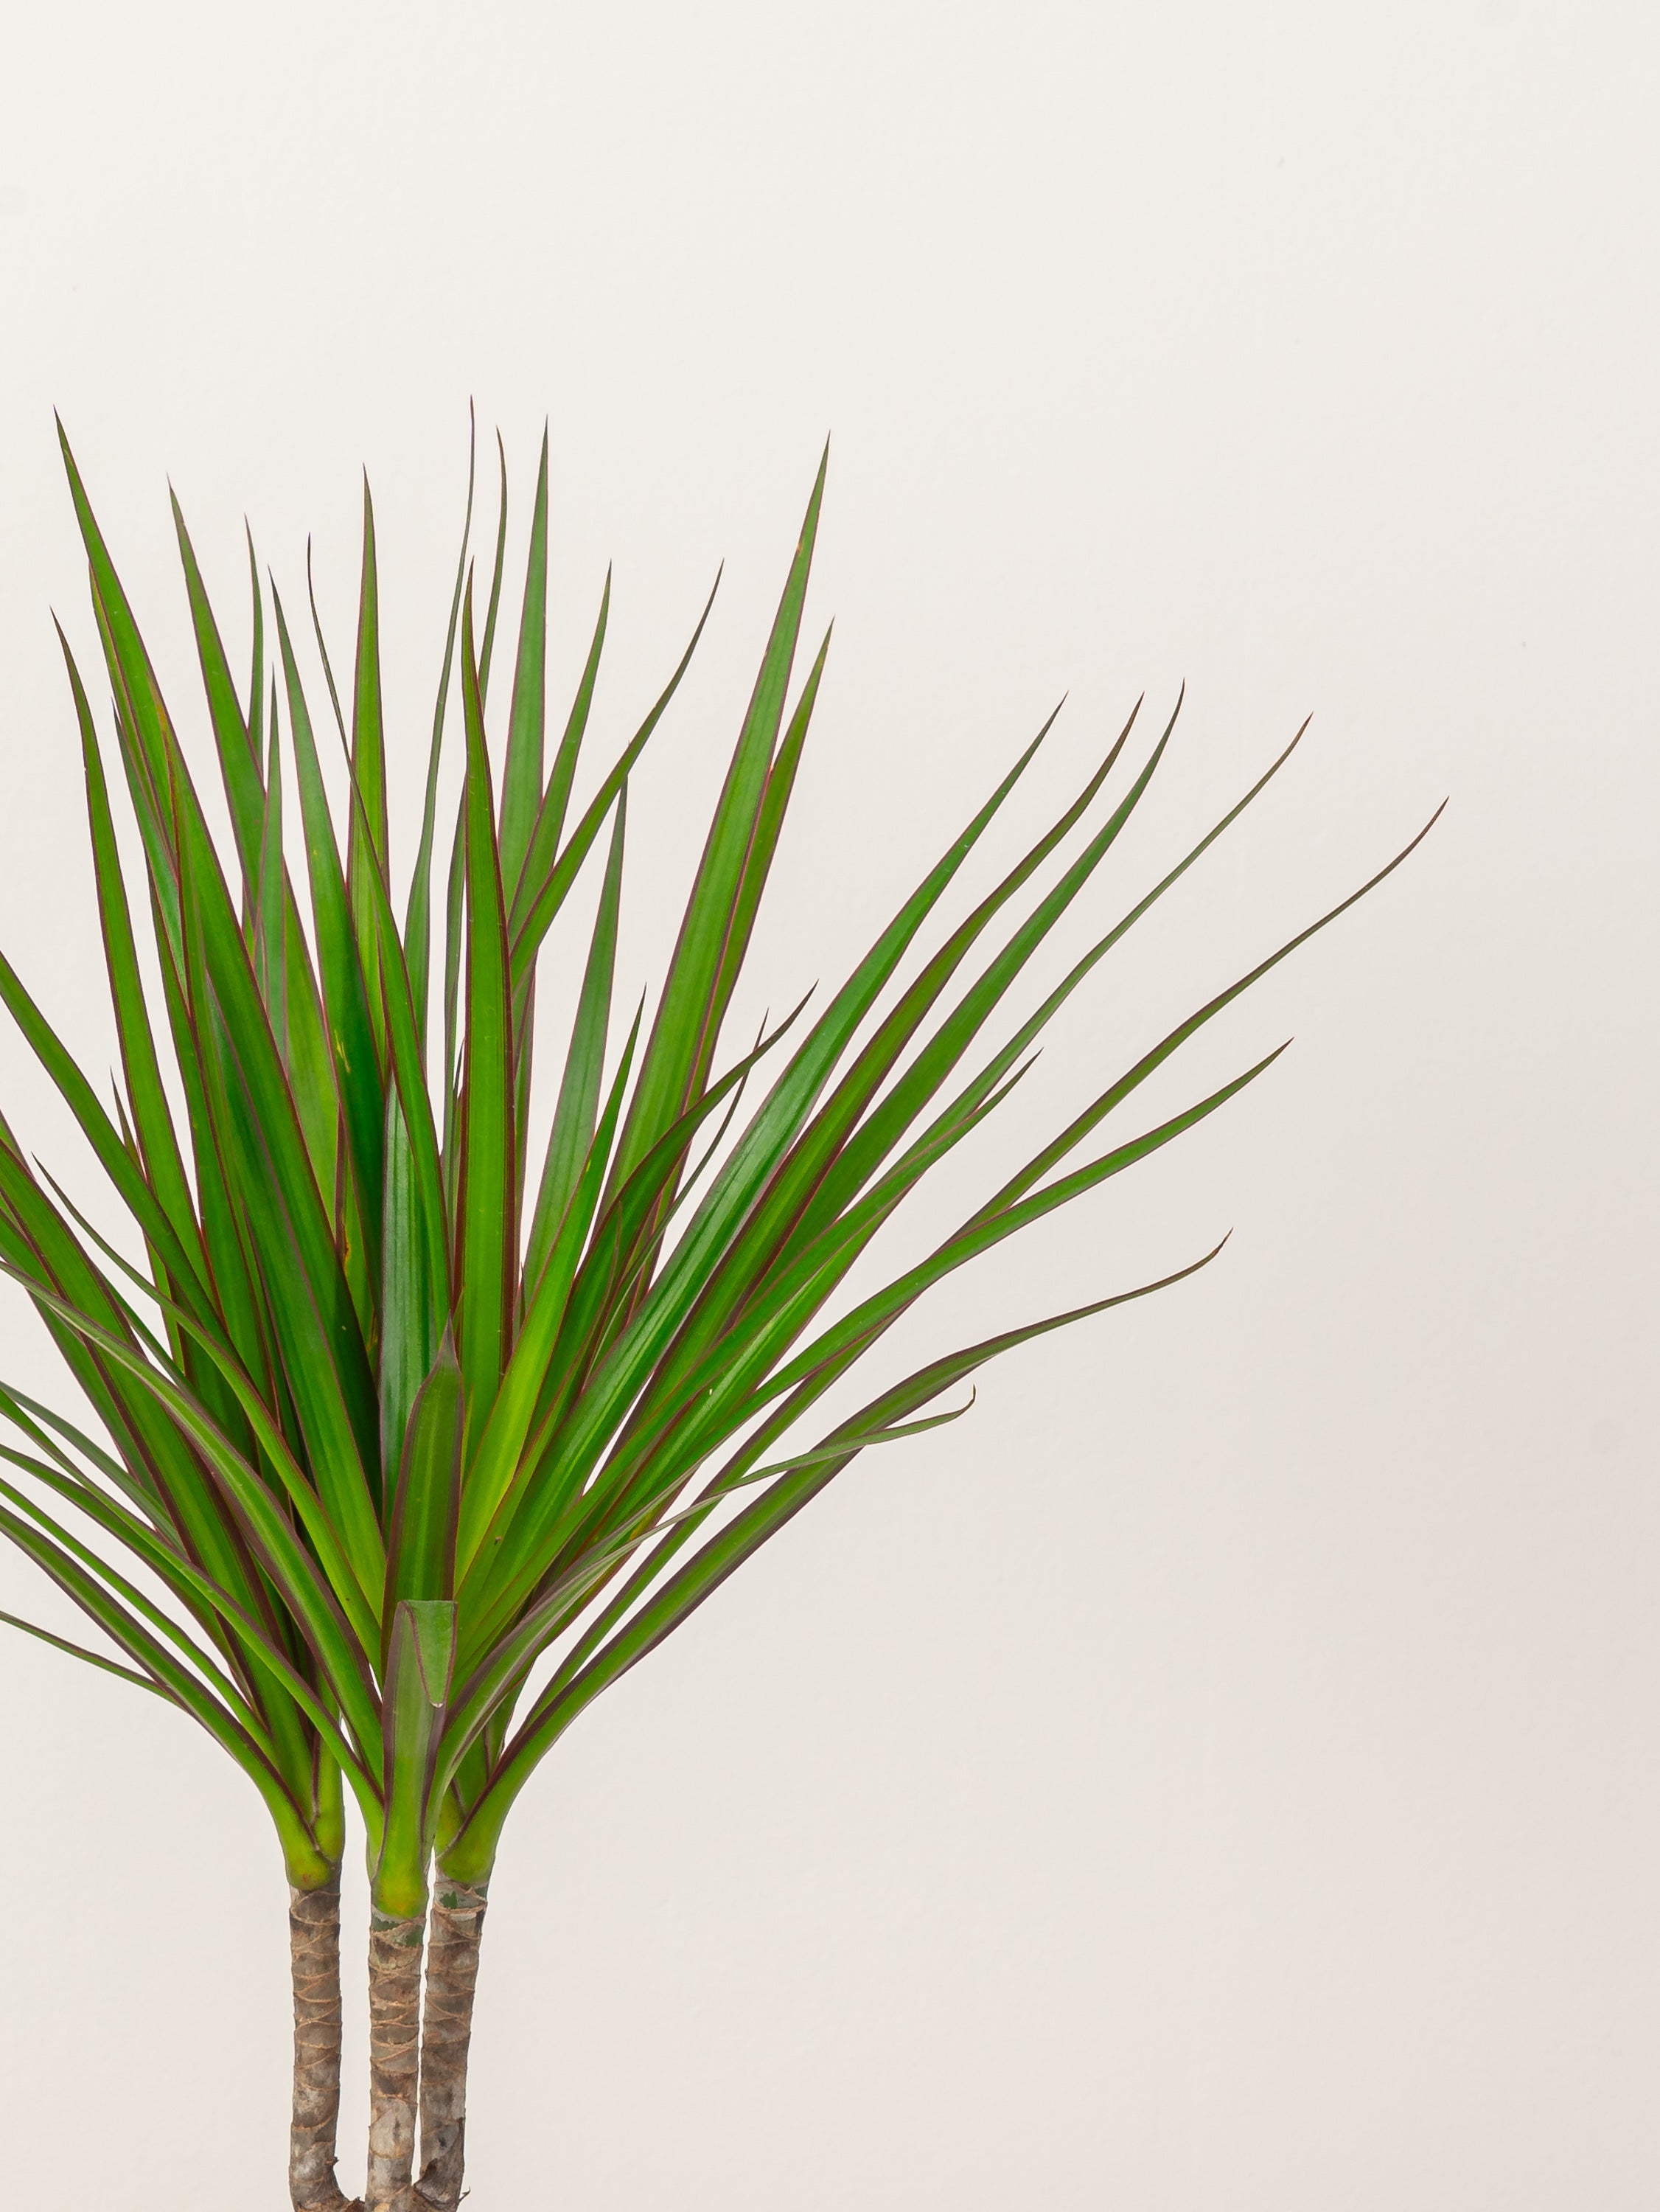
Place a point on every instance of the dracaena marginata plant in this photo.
(402, 1446)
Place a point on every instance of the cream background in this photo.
(1220, 1775)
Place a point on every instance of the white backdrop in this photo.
(1222, 1772)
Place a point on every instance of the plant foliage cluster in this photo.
(406, 1444)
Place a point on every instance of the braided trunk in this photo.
(453, 1938)
(394, 2054)
(314, 1960)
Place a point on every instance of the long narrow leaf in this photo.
(572, 1130)
(488, 1243)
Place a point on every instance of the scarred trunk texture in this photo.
(314, 1958)
(394, 2054)
(452, 1941)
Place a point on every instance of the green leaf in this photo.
(422, 1653)
(158, 1140)
(796, 1482)
(101, 1133)
(421, 1557)
(796, 1202)
(408, 1296)
(521, 793)
(681, 1035)
(613, 1257)
(689, 1409)
(307, 1297)
(849, 1170)
(270, 940)
(416, 1271)
(29, 1414)
(423, 1287)
(1040, 1165)
(121, 1623)
(368, 773)
(92, 1658)
(550, 815)
(757, 862)
(123, 1598)
(239, 759)
(130, 665)
(345, 997)
(596, 1662)
(618, 1380)
(488, 1243)
(454, 913)
(498, 1456)
(572, 1131)
(991, 1226)
(256, 1637)
(540, 898)
(322, 1594)
(487, 644)
(322, 644)
(307, 1051)
(758, 1152)
(368, 736)
(417, 932)
(176, 837)
(521, 776)
(536, 1627)
(257, 675)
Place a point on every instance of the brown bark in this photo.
(453, 1938)
(314, 1959)
(394, 2052)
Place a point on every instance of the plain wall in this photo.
(1220, 1774)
